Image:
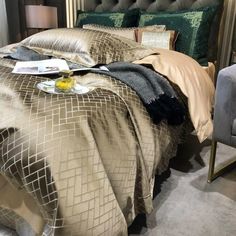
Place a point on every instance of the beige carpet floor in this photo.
(185, 204)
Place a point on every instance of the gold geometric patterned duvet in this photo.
(77, 164)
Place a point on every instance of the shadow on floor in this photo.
(223, 185)
(188, 159)
(189, 170)
(140, 222)
(189, 155)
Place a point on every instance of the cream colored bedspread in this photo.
(77, 164)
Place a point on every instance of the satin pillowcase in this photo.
(86, 47)
(129, 33)
(154, 36)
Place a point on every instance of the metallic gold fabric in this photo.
(86, 161)
(157, 6)
(122, 32)
(128, 33)
(86, 47)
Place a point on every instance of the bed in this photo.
(85, 164)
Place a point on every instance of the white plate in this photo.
(49, 87)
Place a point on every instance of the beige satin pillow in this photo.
(128, 33)
(86, 47)
(123, 32)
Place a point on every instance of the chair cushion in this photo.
(234, 127)
(224, 110)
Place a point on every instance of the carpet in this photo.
(184, 203)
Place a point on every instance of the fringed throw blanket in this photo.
(154, 90)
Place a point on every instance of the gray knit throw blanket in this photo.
(154, 90)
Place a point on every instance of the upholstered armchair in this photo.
(224, 130)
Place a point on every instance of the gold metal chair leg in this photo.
(212, 162)
(212, 173)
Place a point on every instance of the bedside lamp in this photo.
(41, 17)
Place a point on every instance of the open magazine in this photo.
(50, 66)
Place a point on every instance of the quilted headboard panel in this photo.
(162, 5)
(147, 5)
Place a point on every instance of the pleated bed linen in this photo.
(91, 47)
(194, 82)
(85, 47)
(86, 161)
(85, 164)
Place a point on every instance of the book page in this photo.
(50, 66)
(42, 67)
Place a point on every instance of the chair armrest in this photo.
(225, 105)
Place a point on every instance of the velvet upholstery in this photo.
(224, 122)
(127, 18)
(147, 5)
(225, 107)
(163, 5)
(193, 27)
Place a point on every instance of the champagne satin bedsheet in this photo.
(77, 164)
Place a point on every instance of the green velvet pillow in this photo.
(129, 18)
(193, 27)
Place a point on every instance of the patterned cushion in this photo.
(129, 33)
(158, 39)
(86, 47)
(123, 32)
(150, 28)
(193, 27)
(129, 18)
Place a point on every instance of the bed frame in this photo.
(150, 5)
(162, 5)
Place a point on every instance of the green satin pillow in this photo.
(129, 18)
(193, 27)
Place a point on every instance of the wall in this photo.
(71, 8)
(233, 56)
(226, 42)
(227, 28)
(3, 25)
(61, 10)
(16, 16)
